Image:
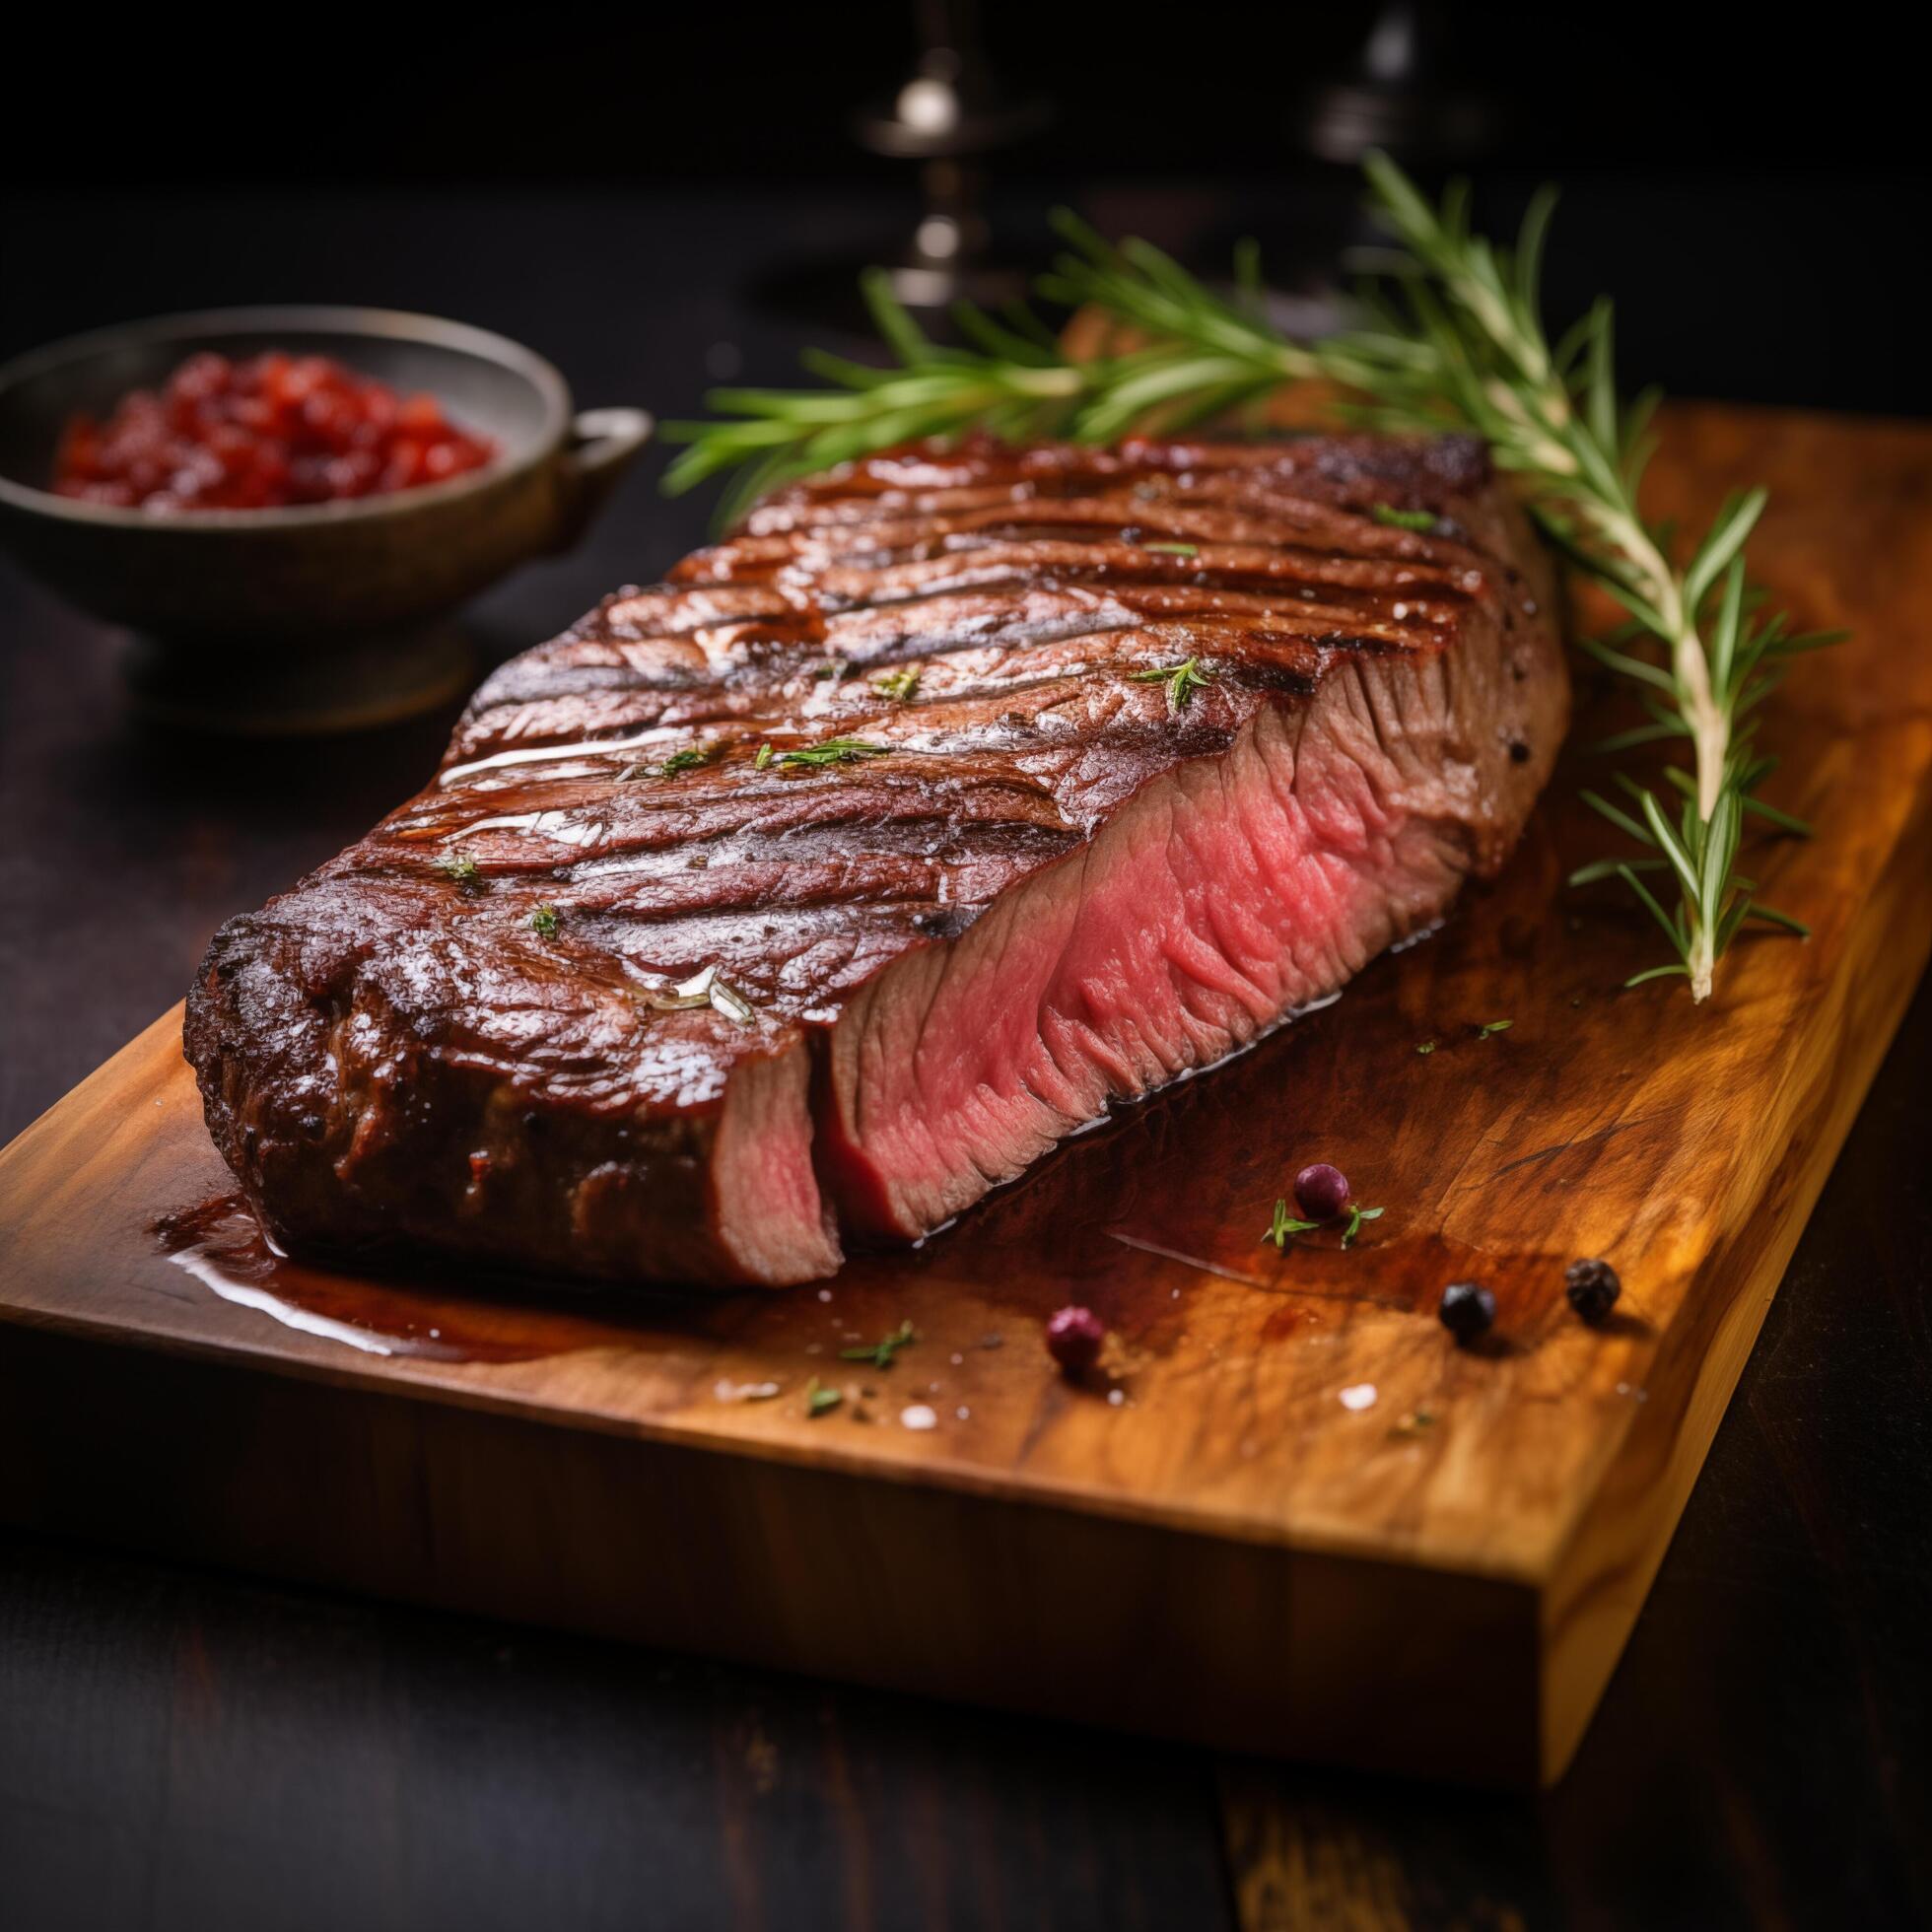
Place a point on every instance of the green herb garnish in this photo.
(763, 759)
(543, 921)
(819, 1399)
(880, 1353)
(1174, 549)
(704, 989)
(687, 760)
(1403, 520)
(1182, 681)
(834, 751)
(1426, 1047)
(1493, 1026)
(1356, 1217)
(1284, 1224)
(460, 868)
(833, 670)
(900, 684)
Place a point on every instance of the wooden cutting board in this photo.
(1290, 1516)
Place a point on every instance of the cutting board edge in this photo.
(987, 1600)
(275, 1358)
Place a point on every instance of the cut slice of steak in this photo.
(954, 798)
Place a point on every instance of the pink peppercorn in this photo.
(1321, 1191)
(1074, 1337)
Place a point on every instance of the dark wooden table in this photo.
(180, 1749)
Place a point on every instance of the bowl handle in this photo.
(597, 452)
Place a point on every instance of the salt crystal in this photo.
(1115, 1397)
(746, 1390)
(1361, 1396)
(919, 1416)
(963, 1413)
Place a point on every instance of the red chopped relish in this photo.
(276, 429)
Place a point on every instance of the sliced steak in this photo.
(656, 982)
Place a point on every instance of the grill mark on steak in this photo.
(1053, 891)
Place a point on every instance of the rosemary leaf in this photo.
(1182, 681)
(1284, 1225)
(1356, 1217)
(880, 1354)
(1403, 520)
(833, 751)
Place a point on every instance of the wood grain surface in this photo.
(1439, 1579)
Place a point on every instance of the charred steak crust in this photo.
(1063, 879)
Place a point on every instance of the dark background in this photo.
(760, 93)
(636, 194)
(1752, 186)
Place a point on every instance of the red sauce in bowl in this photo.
(274, 430)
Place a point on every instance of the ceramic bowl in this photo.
(219, 589)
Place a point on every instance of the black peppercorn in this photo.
(1592, 1288)
(1466, 1310)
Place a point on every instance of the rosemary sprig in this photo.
(675, 766)
(880, 1354)
(1461, 339)
(1454, 338)
(687, 760)
(833, 751)
(1284, 1225)
(901, 685)
(1403, 520)
(1356, 1217)
(1014, 383)
(1182, 680)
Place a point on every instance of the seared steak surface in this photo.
(631, 990)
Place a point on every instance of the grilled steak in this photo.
(952, 798)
